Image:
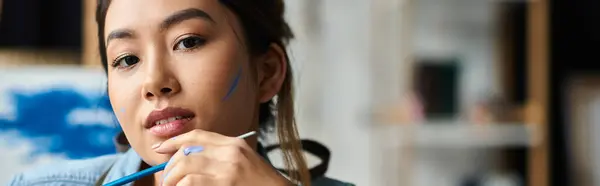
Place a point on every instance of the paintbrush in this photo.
(152, 170)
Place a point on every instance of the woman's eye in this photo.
(189, 43)
(126, 61)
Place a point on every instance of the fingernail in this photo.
(164, 149)
(156, 145)
(194, 149)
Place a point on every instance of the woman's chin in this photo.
(157, 159)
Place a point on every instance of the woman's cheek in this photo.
(125, 98)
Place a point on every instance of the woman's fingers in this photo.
(174, 160)
(179, 170)
(195, 163)
(195, 180)
(210, 155)
(195, 137)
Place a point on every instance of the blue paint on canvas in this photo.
(43, 118)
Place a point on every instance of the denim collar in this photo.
(128, 163)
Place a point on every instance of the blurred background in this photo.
(403, 92)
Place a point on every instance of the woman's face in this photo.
(179, 65)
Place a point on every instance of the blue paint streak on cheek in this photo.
(122, 111)
(234, 84)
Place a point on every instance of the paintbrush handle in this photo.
(155, 169)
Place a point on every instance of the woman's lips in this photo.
(168, 122)
(170, 128)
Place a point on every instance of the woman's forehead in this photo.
(151, 14)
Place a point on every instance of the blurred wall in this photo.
(466, 30)
(353, 56)
(333, 80)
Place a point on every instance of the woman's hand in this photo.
(207, 158)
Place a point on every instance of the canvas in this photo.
(51, 114)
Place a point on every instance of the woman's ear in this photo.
(272, 70)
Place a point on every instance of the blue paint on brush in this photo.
(234, 84)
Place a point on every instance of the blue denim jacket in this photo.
(88, 172)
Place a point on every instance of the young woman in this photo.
(185, 77)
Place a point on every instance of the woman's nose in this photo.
(160, 82)
(162, 92)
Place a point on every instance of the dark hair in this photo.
(263, 24)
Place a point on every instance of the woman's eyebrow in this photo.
(119, 34)
(173, 19)
(182, 15)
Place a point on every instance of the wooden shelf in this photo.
(19, 57)
(458, 135)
